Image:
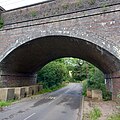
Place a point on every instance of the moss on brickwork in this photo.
(1, 22)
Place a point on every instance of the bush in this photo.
(97, 82)
(53, 74)
(107, 95)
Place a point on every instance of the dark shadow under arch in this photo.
(33, 55)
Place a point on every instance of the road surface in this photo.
(63, 104)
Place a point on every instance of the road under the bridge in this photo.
(63, 104)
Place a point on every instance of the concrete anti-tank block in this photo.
(6, 94)
(31, 90)
(40, 87)
(28, 90)
(89, 93)
(19, 92)
(35, 89)
(97, 94)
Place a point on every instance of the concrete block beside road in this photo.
(97, 94)
(28, 91)
(19, 92)
(35, 89)
(40, 87)
(89, 93)
(6, 94)
(31, 90)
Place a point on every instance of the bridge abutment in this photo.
(17, 80)
(108, 82)
(113, 84)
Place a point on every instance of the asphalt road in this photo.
(63, 104)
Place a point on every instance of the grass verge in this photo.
(114, 117)
(6, 103)
(95, 114)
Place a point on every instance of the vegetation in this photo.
(53, 74)
(91, 2)
(92, 78)
(104, 7)
(45, 90)
(65, 6)
(33, 13)
(114, 117)
(85, 86)
(118, 101)
(95, 114)
(5, 103)
(1, 22)
(79, 2)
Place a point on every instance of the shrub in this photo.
(53, 74)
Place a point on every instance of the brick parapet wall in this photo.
(54, 7)
(64, 17)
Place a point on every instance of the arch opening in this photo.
(33, 55)
(19, 67)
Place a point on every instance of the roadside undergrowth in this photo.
(114, 117)
(6, 103)
(54, 88)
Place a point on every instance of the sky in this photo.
(11, 4)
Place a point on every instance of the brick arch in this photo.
(75, 32)
(32, 55)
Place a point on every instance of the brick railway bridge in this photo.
(34, 35)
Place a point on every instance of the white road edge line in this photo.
(29, 116)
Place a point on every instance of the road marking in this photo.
(29, 116)
(59, 97)
(69, 89)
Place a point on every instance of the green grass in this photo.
(114, 117)
(95, 114)
(5, 103)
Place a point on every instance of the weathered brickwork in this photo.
(55, 7)
(35, 35)
(17, 80)
(116, 84)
